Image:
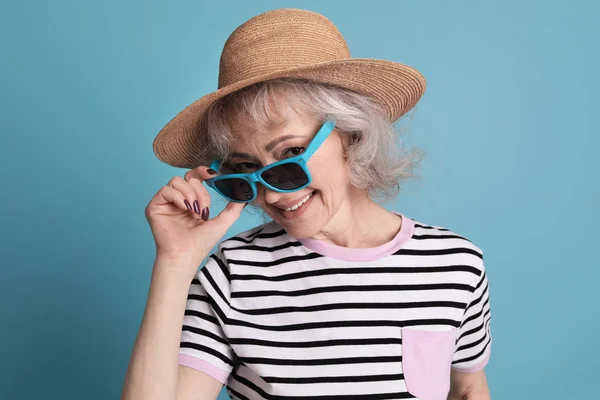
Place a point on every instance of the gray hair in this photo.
(376, 162)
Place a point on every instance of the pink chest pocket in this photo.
(426, 362)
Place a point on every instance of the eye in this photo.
(244, 167)
(293, 151)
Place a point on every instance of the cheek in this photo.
(330, 174)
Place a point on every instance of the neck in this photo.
(360, 223)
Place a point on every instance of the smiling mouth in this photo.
(299, 204)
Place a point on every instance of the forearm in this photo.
(153, 368)
(469, 386)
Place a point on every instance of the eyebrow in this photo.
(280, 139)
(268, 147)
(243, 155)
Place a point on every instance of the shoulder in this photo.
(442, 240)
(235, 249)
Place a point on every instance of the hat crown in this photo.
(278, 40)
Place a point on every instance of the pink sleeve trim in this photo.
(204, 366)
(478, 366)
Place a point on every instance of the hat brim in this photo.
(398, 87)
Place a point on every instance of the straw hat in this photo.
(287, 43)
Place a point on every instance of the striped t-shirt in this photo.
(273, 317)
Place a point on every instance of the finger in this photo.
(188, 192)
(202, 173)
(204, 199)
(167, 195)
(228, 216)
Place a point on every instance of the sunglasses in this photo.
(283, 176)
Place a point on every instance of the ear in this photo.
(350, 139)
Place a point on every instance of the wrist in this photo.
(175, 268)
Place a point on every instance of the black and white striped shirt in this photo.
(273, 317)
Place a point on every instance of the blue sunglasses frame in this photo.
(255, 176)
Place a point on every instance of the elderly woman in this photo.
(335, 296)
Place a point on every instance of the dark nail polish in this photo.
(211, 171)
(196, 207)
(205, 213)
(187, 204)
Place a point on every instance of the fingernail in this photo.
(211, 171)
(187, 204)
(196, 207)
(205, 213)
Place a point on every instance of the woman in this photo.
(335, 296)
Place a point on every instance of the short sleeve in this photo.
(474, 341)
(204, 346)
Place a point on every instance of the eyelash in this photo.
(293, 148)
(238, 166)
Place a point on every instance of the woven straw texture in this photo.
(287, 43)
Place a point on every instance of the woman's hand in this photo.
(179, 218)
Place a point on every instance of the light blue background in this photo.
(508, 124)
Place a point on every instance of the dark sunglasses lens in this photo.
(234, 188)
(288, 176)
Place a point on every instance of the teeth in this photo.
(296, 206)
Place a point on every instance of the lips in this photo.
(293, 202)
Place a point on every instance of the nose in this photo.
(269, 196)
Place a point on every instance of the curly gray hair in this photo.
(377, 163)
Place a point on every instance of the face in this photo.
(305, 212)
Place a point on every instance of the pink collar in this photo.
(365, 253)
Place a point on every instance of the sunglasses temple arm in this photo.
(318, 140)
(215, 165)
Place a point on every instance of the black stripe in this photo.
(251, 235)
(484, 292)
(487, 313)
(223, 267)
(343, 324)
(198, 297)
(417, 225)
(283, 260)
(251, 385)
(321, 362)
(481, 280)
(348, 306)
(204, 333)
(334, 379)
(214, 285)
(477, 314)
(254, 231)
(471, 318)
(426, 237)
(206, 349)
(259, 236)
(214, 305)
(236, 394)
(359, 270)
(315, 343)
(351, 288)
(467, 359)
(379, 396)
(437, 252)
(473, 344)
(266, 249)
(471, 331)
(200, 314)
